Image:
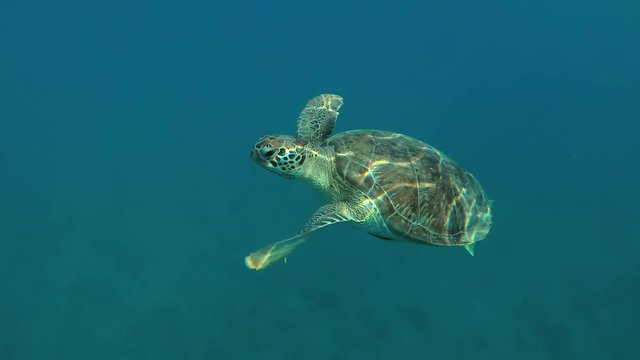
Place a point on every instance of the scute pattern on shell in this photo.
(421, 194)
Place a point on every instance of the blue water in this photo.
(128, 198)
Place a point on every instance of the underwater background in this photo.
(128, 198)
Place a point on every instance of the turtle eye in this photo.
(268, 154)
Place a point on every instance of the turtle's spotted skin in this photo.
(421, 194)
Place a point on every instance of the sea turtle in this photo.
(393, 186)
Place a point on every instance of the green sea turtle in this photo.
(393, 186)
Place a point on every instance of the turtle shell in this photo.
(420, 193)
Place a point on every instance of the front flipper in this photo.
(317, 119)
(266, 256)
(326, 215)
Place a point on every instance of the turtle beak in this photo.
(255, 155)
(259, 158)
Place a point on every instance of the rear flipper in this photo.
(469, 248)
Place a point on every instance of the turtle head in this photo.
(282, 154)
